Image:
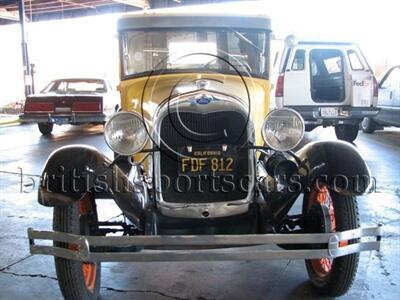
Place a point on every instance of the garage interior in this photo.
(24, 151)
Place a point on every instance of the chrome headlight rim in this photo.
(302, 129)
(116, 115)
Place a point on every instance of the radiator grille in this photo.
(203, 132)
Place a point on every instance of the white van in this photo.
(328, 83)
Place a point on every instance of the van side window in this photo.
(299, 60)
(355, 62)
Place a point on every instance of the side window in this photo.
(355, 62)
(299, 60)
(392, 80)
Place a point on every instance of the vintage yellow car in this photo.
(201, 164)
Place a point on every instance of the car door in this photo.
(362, 80)
(297, 84)
(389, 98)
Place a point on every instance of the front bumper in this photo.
(346, 114)
(86, 246)
(63, 119)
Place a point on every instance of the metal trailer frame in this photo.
(86, 246)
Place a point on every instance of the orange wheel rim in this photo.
(89, 271)
(322, 267)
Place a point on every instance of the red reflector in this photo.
(33, 106)
(279, 86)
(376, 87)
(86, 106)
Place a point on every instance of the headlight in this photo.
(125, 133)
(283, 129)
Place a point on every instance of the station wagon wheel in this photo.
(77, 280)
(333, 277)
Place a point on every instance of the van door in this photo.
(327, 76)
(297, 85)
(362, 81)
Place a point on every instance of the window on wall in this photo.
(299, 60)
(355, 62)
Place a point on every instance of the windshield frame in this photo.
(265, 75)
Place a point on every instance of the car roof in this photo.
(326, 43)
(195, 17)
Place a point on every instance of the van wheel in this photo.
(77, 280)
(368, 125)
(333, 277)
(45, 128)
(346, 132)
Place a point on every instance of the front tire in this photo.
(45, 128)
(368, 125)
(346, 132)
(77, 280)
(334, 277)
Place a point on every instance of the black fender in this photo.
(72, 171)
(336, 163)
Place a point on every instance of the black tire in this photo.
(338, 280)
(70, 273)
(368, 125)
(346, 132)
(309, 127)
(45, 128)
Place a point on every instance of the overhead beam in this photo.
(9, 15)
(83, 4)
(135, 3)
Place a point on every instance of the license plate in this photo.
(61, 121)
(207, 162)
(63, 109)
(207, 165)
(329, 111)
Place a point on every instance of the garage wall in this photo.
(85, 47)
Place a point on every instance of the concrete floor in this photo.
(33, 277)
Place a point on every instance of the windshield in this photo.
(76, 86)
(219, 50)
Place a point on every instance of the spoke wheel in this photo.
(77, 280)
(323, 266)
(333, 276)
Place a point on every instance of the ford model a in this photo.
(199, 165)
